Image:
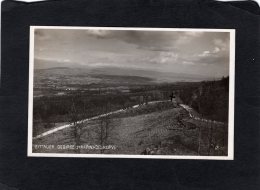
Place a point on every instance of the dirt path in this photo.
(193, 114)
(92, 118)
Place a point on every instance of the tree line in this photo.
(210, 98)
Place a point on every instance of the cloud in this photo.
(159, 48)
(205, 54)
(187, 63)
(164, 50)
(221, 44)
(216, 50)
(218, 55)
(41, 35)
(209, 60)
(147, 40)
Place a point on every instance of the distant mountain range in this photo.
(46, 64)
(157, 76)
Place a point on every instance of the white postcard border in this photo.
(230, 155)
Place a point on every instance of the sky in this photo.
(189, 52)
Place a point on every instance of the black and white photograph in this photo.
(115, 92)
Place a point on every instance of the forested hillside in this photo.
(210, 99)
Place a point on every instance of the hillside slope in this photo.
(210, 99)
(167, 130)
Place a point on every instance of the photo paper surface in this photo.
(111, 92)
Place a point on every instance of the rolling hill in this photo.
(58, 68)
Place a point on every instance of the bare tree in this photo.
(199, 140)
(210, 137)
(104, 129)
(77, 127)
